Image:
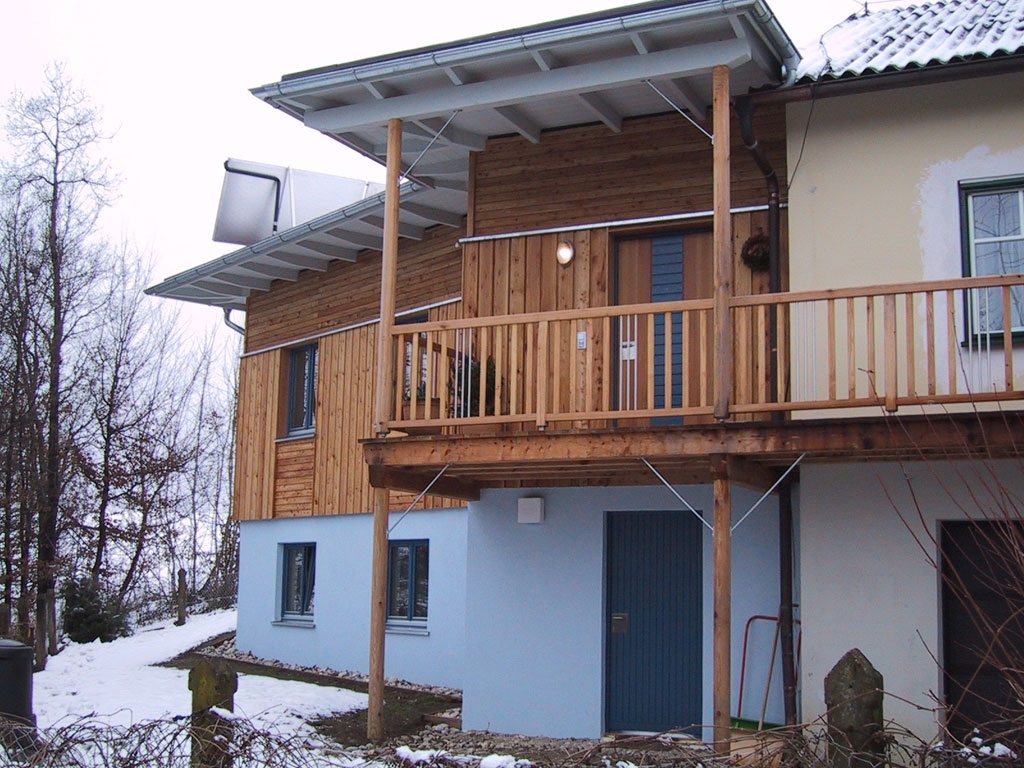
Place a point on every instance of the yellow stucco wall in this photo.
(874, 200)
(873, 195)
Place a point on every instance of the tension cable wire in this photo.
(417, 499)
(680, 110)
(767, 493)
(676, 494)
(431, 142)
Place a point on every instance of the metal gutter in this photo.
(882, 81)
(566, 31)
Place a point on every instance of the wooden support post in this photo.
(382, 401)
(378, 614)
(723, 266)
(388, 275)
(182, 597)
(722, 641)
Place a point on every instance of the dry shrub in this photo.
(91, 743)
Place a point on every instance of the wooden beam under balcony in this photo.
(416, 482)
(682, 454)
(746, 473)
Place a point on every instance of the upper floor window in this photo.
(302, 390)
(992, 215)
(299, 579)
(408, 580)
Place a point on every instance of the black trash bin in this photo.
(18, 723)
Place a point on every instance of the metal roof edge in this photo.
(565, 30)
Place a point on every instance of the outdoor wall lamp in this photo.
(565, 253)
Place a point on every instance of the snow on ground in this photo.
(117, 682)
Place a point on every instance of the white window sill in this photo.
(406, 628)
(295, 623)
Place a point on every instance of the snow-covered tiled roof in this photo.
(897, 39)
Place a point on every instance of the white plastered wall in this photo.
(866, 581)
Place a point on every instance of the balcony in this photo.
(636, 378)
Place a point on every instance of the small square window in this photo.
(302, 390)
(408, 580)
(299, 578)
(991, 220)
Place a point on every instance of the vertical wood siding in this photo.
(324, 474)
(259, 384)
(520, 275)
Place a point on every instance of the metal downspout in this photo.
(786, 641)
(231, 323)
(745, 109)
(268, 177)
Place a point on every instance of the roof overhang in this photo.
(338, 236)
(601, 68)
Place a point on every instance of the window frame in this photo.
(302, 383)
(306, 612)
(408, 618)
(974, 334)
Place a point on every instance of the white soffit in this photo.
(338, 236)
(589, 69)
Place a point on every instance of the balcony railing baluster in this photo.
(603, 366)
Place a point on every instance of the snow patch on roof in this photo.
(932, 33)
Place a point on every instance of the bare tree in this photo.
(115, 436)
(64, 185)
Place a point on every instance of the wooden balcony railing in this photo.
(886, 347)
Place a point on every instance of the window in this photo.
(299, 578)
(417, 373)
(408, 577)
(992, 214)
(302, 390)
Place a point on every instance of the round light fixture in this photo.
(565, 253)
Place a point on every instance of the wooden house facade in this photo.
(596, 339)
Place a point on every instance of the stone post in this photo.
(211, 686)
(853, 698)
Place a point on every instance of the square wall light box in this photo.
(531, 509)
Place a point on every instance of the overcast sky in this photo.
(172, 81)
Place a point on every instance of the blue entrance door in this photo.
(654, 602)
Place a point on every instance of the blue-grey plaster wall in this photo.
(535, 606)
(340, 636)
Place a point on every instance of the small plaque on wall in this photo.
(531, 509)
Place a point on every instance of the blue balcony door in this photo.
(653, 645)
(666, 267)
